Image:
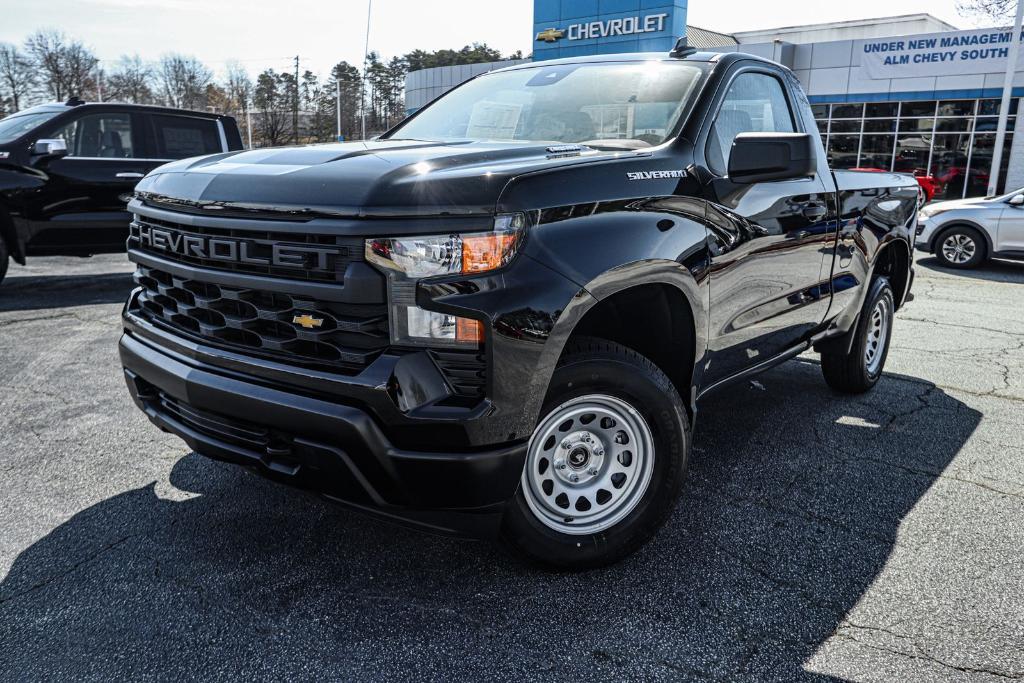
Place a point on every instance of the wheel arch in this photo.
(652, 308)
(894, 259)
(961, 222)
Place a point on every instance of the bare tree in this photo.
(131, 81)
(272, 101)
(238, 86)
(998, 11)
(65, 65)
(17, 77)
(184, 80)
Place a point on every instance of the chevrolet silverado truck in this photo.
(67, 171)
(499, 318)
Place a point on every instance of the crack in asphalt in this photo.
(919, 653)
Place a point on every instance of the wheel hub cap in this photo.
(958, 248)
(589, 462)
(878, 335)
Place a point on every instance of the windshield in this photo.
(617, 105)
(13, 127)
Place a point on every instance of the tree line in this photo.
(284, 107)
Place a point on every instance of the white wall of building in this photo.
(885, 27)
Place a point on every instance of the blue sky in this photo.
(264, 33)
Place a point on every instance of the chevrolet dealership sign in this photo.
(623, 26)
(569, 28)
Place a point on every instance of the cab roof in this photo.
(115, 106)
(698, 57)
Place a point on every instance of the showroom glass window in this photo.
(950, 140)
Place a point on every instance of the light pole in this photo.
(366, 51)
(337, 81)
(1004, 107)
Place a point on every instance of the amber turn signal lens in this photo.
(468, 330)
(481, 253)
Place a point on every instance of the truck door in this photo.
(82, 206)
(771, 242)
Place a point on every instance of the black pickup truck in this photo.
(67, 171)
(499, 319)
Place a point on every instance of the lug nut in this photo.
(598, 451)
(560, 464)
(574, 477)
(567, 444)
(592, 471)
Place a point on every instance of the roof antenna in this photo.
(75, 101)
(682, 49)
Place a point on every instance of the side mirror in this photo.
(1017, 200)
(764, 157)
(50, 148)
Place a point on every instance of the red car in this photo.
(930, 185)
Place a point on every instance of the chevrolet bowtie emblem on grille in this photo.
(308, 321)
(550, 35)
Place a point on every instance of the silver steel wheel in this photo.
(878, 334)
(589, 463)
(959, 248)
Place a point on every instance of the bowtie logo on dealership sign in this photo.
(623, 26)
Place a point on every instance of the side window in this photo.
(107, 136)
(179, 137)
(754, 103)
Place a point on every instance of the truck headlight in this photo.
(407, 260)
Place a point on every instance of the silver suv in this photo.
(967, 232)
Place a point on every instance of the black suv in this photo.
(500, 318)
(68, 170)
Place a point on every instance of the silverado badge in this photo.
(308, 321)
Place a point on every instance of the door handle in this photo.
(130, 175)
(815, 211)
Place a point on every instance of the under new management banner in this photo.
(938, 54)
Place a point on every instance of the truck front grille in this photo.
(295, 256)
(277, 326)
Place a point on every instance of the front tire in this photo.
(859, 370)
(606, 461)
(961, 247)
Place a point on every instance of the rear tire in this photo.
(859, 370)
(961, 247)
(605, 464)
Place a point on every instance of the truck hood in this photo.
(361, 179)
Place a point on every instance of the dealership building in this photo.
(909, 93)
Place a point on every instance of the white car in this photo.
(966, 232)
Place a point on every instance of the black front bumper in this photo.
(337, 450)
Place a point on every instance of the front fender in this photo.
(564, 270)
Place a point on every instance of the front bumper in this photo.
(333, 449)
(924, 234)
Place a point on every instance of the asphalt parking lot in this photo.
(875, 538)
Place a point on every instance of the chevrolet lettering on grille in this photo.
(234, 250)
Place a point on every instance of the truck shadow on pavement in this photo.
(792, 508)
(39, 292)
